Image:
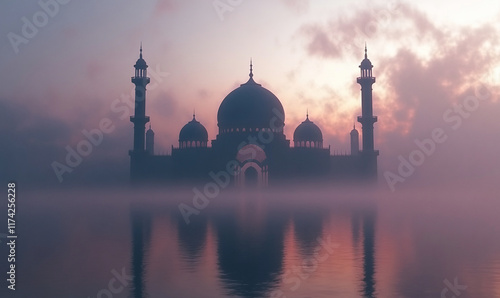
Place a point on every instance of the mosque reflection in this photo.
(250, 245)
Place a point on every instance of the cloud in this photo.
(35, 139)
(346, 33)
(423, 69)
(29, 142)
(297, 6)
(94, 70)
(163, 7)
(320, 43)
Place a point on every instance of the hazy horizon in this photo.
(74, 71)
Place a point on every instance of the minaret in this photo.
(354, 141)
(369, 254)
(367, 119)
(141, 242)
(140, 119)
(150, 141)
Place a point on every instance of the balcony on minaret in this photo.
(141, 73)
(367, 119)
(366, 73)
(139, 119)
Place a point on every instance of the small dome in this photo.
(307, 131)
(354, 131)
(150, 131)
(193, 131)
(141, 64)
(366, 64)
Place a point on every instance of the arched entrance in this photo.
(252, 168)
(251, 177)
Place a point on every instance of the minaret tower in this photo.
(368, 155)
(140, 80)
(138, 153)
(367, 119)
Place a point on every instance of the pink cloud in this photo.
(415, 85)
(165, 7)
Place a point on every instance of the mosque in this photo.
(251, 148)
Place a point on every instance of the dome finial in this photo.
(366, 55)
(194, 114)
(251, 68)
(307, 113)
(141, 51)
(250, 80)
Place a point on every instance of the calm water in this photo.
(328, 243)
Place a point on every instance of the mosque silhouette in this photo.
(251, 147)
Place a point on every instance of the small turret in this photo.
(150, 141)
(354, 141)
(141, 67)
(366, 66)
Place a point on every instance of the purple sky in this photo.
(67, 75)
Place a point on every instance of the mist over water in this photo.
(298, 241)
(429, 228)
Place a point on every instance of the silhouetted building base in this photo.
(205, 165)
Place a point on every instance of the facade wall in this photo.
(306, 164)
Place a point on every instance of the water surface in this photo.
(300, 243)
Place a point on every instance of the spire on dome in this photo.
(140, 56)
(251, 68)
(250, 80)
(354, 130)
(194, 114)
(366, 52)
(307, 114)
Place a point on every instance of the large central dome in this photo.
(250, 107)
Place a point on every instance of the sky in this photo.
(66, 68)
